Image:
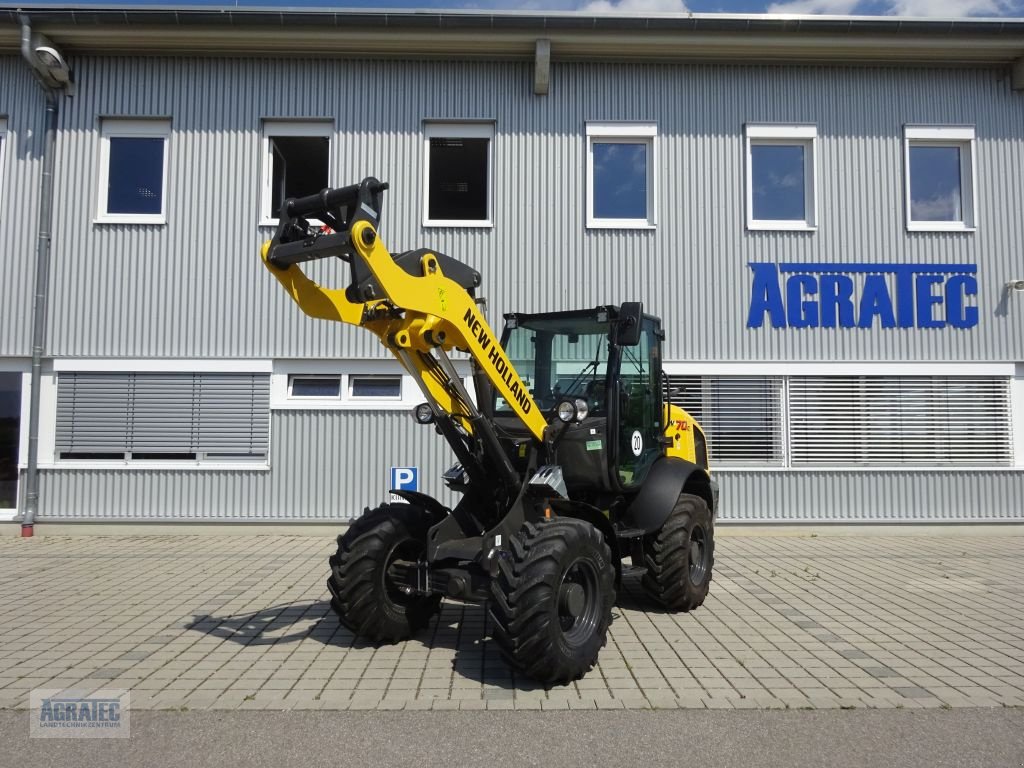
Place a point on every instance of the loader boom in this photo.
(418, 313)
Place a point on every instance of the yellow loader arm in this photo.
(419, 313)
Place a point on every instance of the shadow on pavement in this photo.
(462, 628)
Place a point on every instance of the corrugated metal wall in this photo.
(328, 465)
(906, 496)
(193, 288)
(325, 465)
(22, 104)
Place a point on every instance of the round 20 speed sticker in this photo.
(636, 442)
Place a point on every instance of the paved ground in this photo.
(811, 621)
(962, 738)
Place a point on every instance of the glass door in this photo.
(10, 439)
(640, 427)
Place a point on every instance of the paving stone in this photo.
(913, 692)
(255, 636)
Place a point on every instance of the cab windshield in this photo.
(559, 358)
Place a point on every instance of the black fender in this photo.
(429, 503)
(594, 516)
(667, 478)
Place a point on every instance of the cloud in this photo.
(838, 7)
(635, 6)
(953, 8)
(938, 208)
(940, 8)
(789, 181)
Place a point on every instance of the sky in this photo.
(934, 8)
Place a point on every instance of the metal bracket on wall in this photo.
(1017, 75)
(542, 67)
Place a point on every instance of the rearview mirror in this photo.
(627, 328)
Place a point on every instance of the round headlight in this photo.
(566, 411)
(423, 414)
(582, 409)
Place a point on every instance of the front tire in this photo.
(681, 555)
(362, 593)
(551, 603)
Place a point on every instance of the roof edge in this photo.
(177, 30)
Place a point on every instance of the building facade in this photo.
(826, 214)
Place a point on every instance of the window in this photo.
(741, 416)
(181, 417)
(899, 421)
(10, 438)
(296, 162)
(851, 421)
(781, 172)
(133, 171)
(458, 174)
(620, 175)
(360, 387)
(314, 386)
(376, 387)
(318, 387)
(940, 185)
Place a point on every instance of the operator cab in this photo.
(588, 356)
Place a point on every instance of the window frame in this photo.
(411, 393)
(131, 127)
(962, 137)
(783, 135)
(4, 140)
(459, 129)
(646, 133)
(19, 368)
(313, 127)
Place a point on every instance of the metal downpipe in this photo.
(39, 299)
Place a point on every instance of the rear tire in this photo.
(362, 593)
(551, 603)
(681, 555)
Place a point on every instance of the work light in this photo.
(423, 414)
(566, 411)
(582, 409)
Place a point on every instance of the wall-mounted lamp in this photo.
(47, 61)
(50, 59)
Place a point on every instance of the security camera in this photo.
(1016, 285)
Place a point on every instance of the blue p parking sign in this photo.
(404, 479)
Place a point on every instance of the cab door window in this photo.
(639, 406)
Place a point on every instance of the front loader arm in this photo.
(438, 313)
(422, 313)
(313, 299)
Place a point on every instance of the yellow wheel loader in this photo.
(568, 457)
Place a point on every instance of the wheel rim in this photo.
(579, 602)
(698, 555)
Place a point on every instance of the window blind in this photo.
(214, 416)
(913, 420)
(741, 416)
